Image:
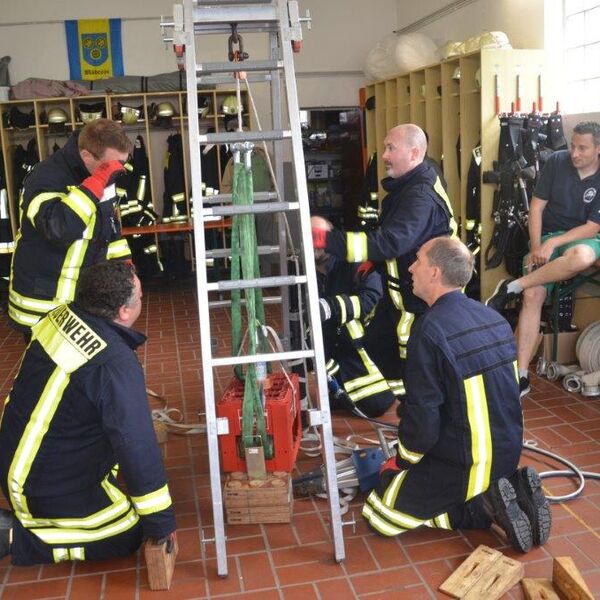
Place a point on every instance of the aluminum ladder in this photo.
(280, 20)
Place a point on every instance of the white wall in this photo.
(32, 33)
(521, 20)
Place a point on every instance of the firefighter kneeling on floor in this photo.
(461, 424)
(348, 293)
(78, 413)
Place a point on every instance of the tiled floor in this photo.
(296, 561)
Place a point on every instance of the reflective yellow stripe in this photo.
(33, 304)
(397, 386)
(481, 439)
(406, 454)
(371, 390)
(7, 247)
(443, 521)
(342, 307)
(37, 201)
(153, 502)
(60, 554)
(359, 382)
(441, 192)
(356, 246)
(392, 270)
(81, 204)
(332, 367)
(81, 536)
(516, 368)
(391, 492)
(355, 300)
(77, 553)
(32, 437)
(355, 329)
(384, 508)
(118, 249)
(178, 197)
(23, 318)
(67, 340)
(380, 524)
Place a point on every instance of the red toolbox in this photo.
(282, 415)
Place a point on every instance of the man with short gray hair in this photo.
(461, 429)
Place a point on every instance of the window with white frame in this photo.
(581, 55)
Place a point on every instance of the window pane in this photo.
(592, 95)
(573, 30)
(592, 26)
(592, 61)
(573, 6)
(574, 63)
(575, 97)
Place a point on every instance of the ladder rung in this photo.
(212, 80)
(259, 282)
(235, 67)
(243, 136)
(250, 209)
(226, 252)
(255, 358)
(219, 13)
(227, 198)
(224, 303)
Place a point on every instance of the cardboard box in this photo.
(567, 341)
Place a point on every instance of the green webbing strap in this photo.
(244, 265)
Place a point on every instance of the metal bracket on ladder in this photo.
(281, 21)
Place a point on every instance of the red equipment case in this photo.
(282, 414)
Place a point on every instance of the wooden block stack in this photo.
(566, 583)
(160, 564)
(486, 573)
(257, 500)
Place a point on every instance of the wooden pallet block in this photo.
(568, 580)
(539, 589)
(486, 573)
(240, 492)
(259, 514)
(160, 564)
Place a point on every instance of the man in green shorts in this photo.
(564, 228)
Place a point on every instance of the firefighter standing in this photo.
(348, 294)
(67, 221)
(76, 414)
(415, 210)
(460, 432)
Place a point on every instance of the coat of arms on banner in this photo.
(94, 48)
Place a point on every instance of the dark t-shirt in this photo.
(571, 201)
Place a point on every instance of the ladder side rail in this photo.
(313, 296)
(201, 283)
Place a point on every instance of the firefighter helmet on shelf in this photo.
(203, 106)
(57, 116)
(165, 109)
(230, 105)
(129, 114)
(91, 112)
(456, 74)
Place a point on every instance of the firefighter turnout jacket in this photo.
(461, 421)
(351, 292)
(77, 412)
(63, 229)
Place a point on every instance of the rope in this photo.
(172, 418)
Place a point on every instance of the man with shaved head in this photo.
(415, 210)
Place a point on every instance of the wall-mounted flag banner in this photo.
(94, 48)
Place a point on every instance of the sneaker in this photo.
(524, 387)
(533, 503)
(501, 296)
(500, 504)
(6, 524)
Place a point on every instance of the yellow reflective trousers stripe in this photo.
(481, 438)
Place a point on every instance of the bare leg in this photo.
(573, 261)
(529, 324)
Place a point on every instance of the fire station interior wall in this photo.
(521, 20)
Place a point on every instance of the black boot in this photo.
(500, 503)
(6, 525)
(533, 503)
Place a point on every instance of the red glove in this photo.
(364, 268)
(319, 237)
(389, 465)
(105, 174)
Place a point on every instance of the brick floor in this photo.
(296, 560)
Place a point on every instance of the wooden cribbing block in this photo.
(160, 564)
(539, 589)
(486, 573)
(503, 574)
(568, 580)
